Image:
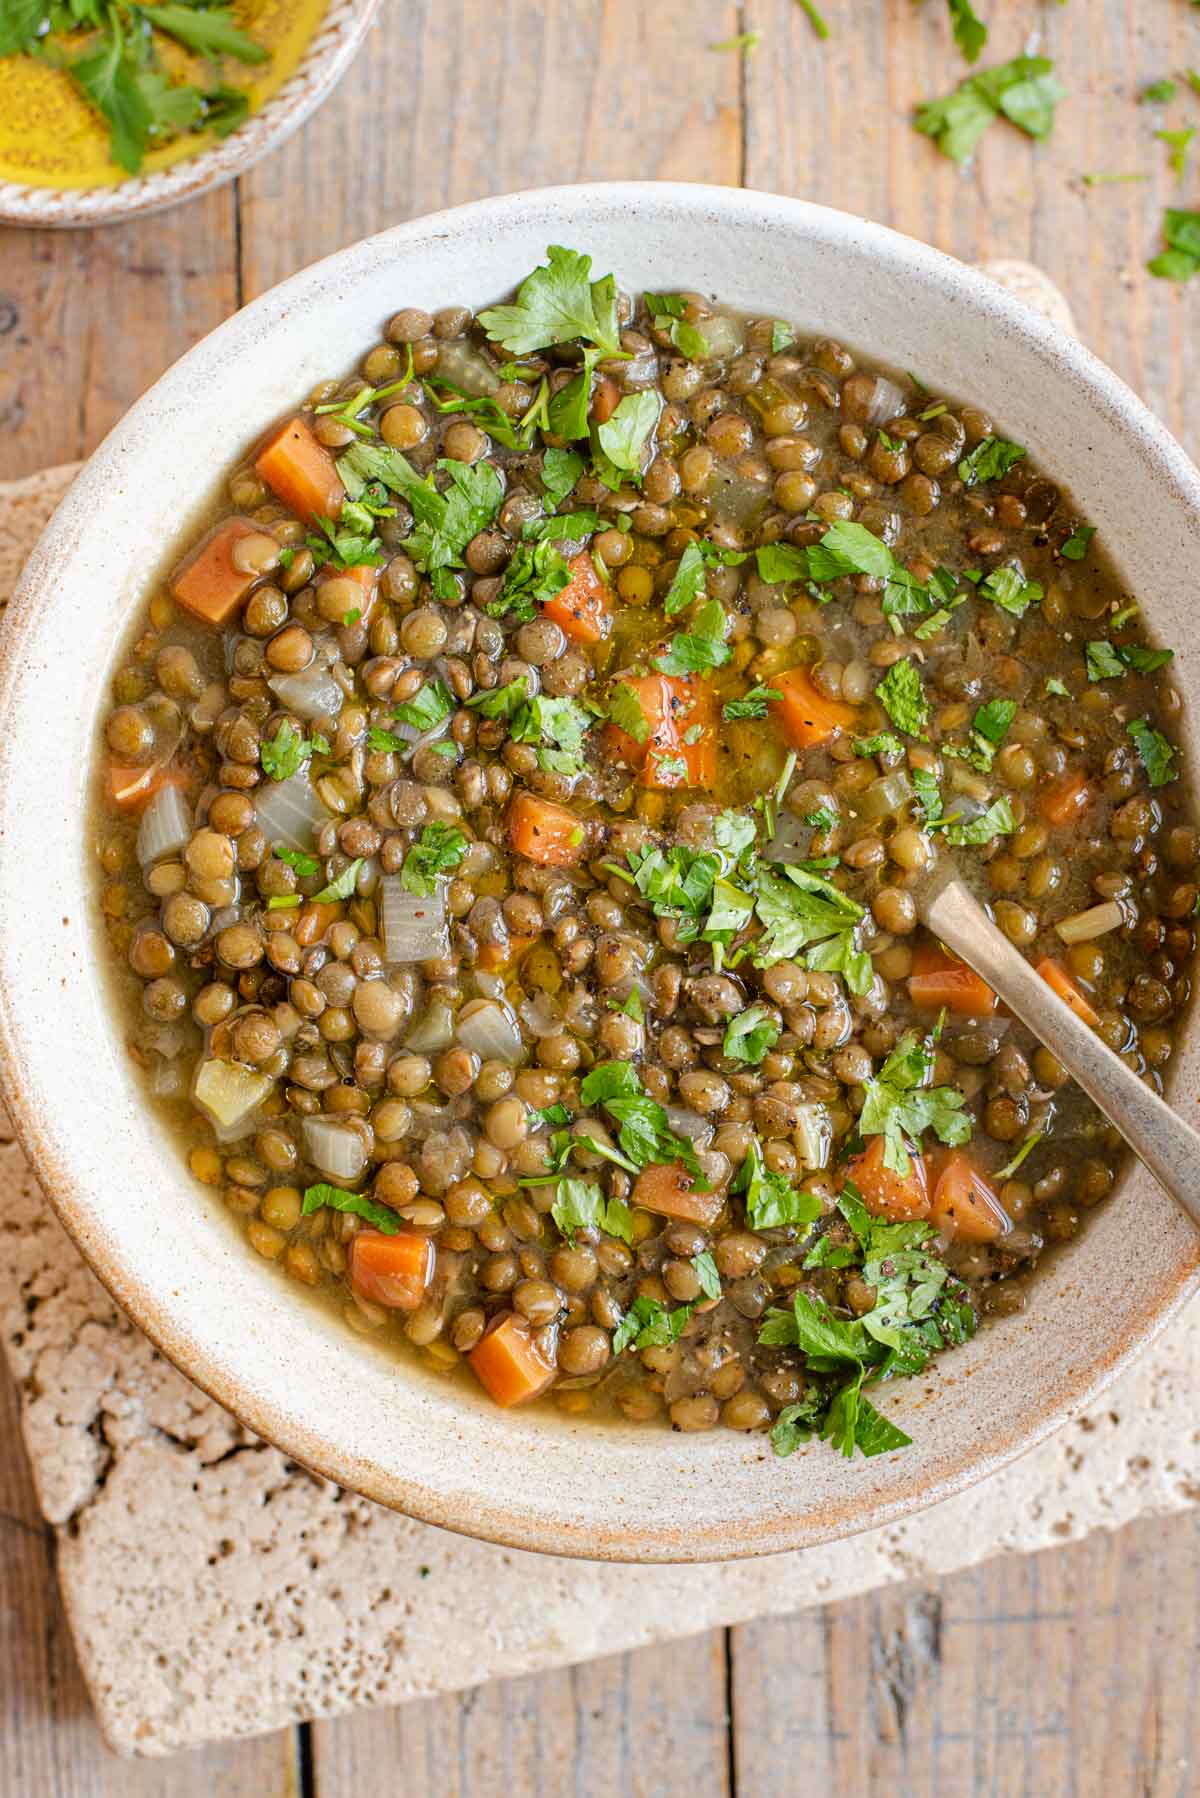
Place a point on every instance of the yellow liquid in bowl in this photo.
(51, 137)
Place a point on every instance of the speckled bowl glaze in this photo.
(165, 1248)
(334, 46)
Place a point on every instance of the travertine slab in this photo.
(216, 1589)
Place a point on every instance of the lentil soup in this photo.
(509, 813)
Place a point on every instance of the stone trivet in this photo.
(215, 1589)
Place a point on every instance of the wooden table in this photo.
(1069, 1673)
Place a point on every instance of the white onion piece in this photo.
(230, 1094)
(169, 1040)
(419, 738)
(1098, 920)
(336, 1149)
(490, 1031)
(165, 827)
(540, 1015)
(885, 796)
(689, 1124)
(313, 694)
(886, 402)
(490, 986)
(414, 927)
(290, 810)
(434, 1031)
(167, 1081)
(464, 367)
(813, 1135)
(722, 334)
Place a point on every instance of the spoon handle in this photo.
(1169, 1147)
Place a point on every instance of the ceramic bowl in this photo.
(164, 1246)
(330, 53)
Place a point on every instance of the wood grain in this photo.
(1061, 1676)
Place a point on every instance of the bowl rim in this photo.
(327, 56)
(520, 1521)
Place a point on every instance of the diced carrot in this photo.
(544, 832)
(300, 471)
(671, 1192)
(130, 788)
(807, 716)
(365, 577)
(886, 1193)
(581, 608)
(508, 1363)
(1065, 800)
(314, 921)
(964, 1205)
(1065, 985)
(392, 1270)
(938, 980)
(675, 708)
(208, 585)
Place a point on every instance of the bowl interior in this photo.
(163, 1246)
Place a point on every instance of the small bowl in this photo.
(332, 49)
(166, 1248)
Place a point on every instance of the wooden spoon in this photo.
(1169, 1147)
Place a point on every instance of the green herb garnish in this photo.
(438, 850)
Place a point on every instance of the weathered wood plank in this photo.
(1069, 1672)
(634, 1725)
(88, 319)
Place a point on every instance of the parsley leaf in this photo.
(1158, 93)
(643, 1131)
(900, 1105)
(444, 523)
(970, 32)
(751, 705)
(997, 821)
(579, 1205)
(1025, 91)
(385, 742)
(569, 406)
(209, 31)
(286, 753)
(558, 727)
(500, 702)
(1076, 546)
(989, 461)
(338, 1199)
(992, 720)
(296, 859)
(802, 910)
(772, 1202)
(438, 850)
(929, 795)
(1057, 688)
(536, 572)
(557, 303)
(1156, 753)
(750, 1034)
(561, 469)
(707, 1274)
(625, 710)
(1007, 588)
(777, 562)
(782, 337)
(341, 887)
(701, 648)
(427, 707)
(1181, 258)
(902, 697)
(882, 743)
(647, 1324)
(622, 438)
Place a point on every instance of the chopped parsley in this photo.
(751, 705)
(647, 1324)
(882, 743)
(822, 819)
(1109, 661)
(782, 337)
(779, 562)
(1177, 142)
(338, 1199)
(928, 795)
(427, 707)
(1058, 689)
(296, 859)
(970, 32)
(557, 303)
(443, 522)
(643, 1132)
(669, 310)
(700, 648)
(900, 1105)
(1156, 753)
(989, 461)
(687, 583)
(1008, 588)
(902, 697)
(707, 1274)
(346, 544)
(750, 1034)
(558, 727)
(1181, 258)
(1158, 93)
(1025, 91)
(621, 439)
(342, 886)
(561, 469)
(996, 821)
(801, 910)
(579, 1205)
(771, 1201)
(287, 751)
(536, 572)
(438, 850)
(1076, 546)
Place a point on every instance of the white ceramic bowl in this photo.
(164, 1247)
(333, 48)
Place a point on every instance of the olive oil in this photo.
(51, 137)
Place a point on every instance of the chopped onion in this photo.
(165, 827)
(490, 1030)
(414, 927)
(885, 796)
(336, 1149)
(432, 1032)
(313, 694)
(231, 1094)
(722, 334)
(886, 402)
(463, 366)
(813, 1135)
(1098, 920)
(540, 1015)
(167, 1081)
(290, 810)
(490, 986)
(419, 738)
(697, 1130)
